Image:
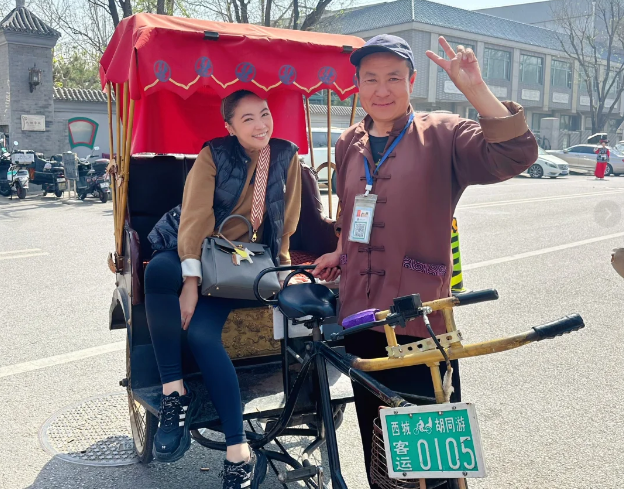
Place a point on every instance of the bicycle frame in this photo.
(319, 354)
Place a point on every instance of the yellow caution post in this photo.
(457, 281)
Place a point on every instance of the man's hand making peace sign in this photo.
(463, 69)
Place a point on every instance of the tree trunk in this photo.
(126, 7)
(267, 13)
(295, 14)
(160, 7)
(314, 16)
(113, 11)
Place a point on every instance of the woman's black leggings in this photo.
(163, 283)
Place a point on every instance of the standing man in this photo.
(400, 176)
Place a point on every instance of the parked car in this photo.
(319, 143)
(595, 138)
(548, 165)
(581, 157)
(619, 147)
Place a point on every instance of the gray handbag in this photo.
(223, 277)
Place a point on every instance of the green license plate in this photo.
(435, 441)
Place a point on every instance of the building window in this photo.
(497, 64)
(561, 74)
(531, 69)
(569, 123)
(453, 45)
(473, 114)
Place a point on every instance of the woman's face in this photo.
(252, 123)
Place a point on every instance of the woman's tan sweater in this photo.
(197, 220)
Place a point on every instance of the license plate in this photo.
(436, 441)
(104, 185)
(62, 186)
(59, 180)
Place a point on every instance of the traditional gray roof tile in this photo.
(23, 20)
(80, 95)
(436, 14)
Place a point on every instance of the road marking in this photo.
(19, 251)
(543, 251)
(29, 255)
(20, 368)
(33, 365)
(536, 199)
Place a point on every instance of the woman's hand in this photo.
(188, 300)
(327, 266)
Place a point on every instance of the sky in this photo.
(465, 4)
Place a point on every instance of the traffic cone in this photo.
(457, 281)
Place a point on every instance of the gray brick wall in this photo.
(531, 86)
(40, 102)
(443, 77)
(5, 99)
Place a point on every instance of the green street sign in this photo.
(436, 441)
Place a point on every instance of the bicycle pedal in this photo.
(299, 474)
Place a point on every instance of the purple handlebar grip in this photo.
(361, 317)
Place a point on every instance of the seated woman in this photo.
(220, 184)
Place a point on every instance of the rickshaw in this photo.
(167, 76)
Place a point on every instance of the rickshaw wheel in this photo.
(58, 193)
(143, 423)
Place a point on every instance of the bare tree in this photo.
(592, 34)
(287, 14)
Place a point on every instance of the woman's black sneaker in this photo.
(244, 474)
(173, 437)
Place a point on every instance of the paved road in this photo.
(549, 413)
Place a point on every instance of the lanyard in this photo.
(369, 177)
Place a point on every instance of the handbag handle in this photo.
(240, 217)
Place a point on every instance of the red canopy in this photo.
(179, 69)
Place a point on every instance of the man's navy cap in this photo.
(384, 43)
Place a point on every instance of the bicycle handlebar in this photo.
(550, 330)
(468, 298)
(296, 270)
(560, 327)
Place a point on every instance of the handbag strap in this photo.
(260, 186)
(235, 216)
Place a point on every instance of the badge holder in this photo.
(362, 219)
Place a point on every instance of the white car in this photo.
(319, 143)
(548, 165)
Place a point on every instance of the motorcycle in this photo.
(97, 182)
(13, 173)
(52, 179)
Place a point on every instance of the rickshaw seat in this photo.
(300, 300)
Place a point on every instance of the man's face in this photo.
(385, 86)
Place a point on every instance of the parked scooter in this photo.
(14, 173)
(97, 181)
(52, 178)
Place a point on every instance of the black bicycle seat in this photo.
(300, 300)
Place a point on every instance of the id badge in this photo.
(362, 220)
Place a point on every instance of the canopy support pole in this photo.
(354, 108)
(310, 140)
(329, 156)
(111, 170)
(125, 172)
(118, 237)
